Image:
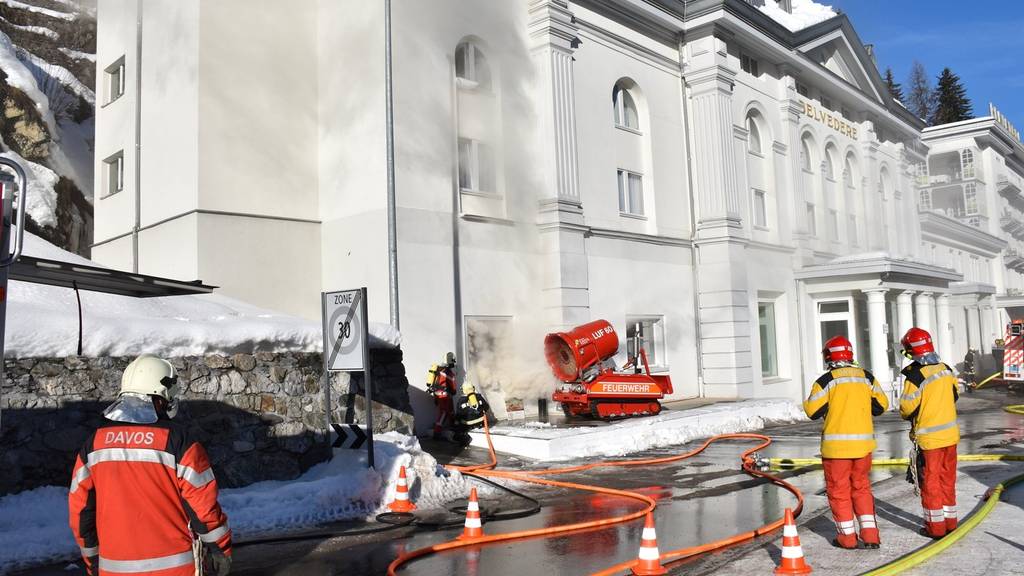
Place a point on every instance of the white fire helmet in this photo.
(146, 376)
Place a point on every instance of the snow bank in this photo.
(33, 29)
(805, 13)
(43, 321)
(38, 10)
(34, 524)
(671, 427)
(42, 198)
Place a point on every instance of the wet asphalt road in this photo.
(701, 499)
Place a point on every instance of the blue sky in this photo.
(982, 41)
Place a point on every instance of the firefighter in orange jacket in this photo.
(847, 396)
(143, 499)
(929, 402)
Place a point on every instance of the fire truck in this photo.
(1013, 353)
(591, 386)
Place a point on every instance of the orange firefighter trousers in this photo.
(938, 491)
(849, 492)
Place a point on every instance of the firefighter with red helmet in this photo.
(143, 499)
(441, 385)
(929, 403)
(847, 397)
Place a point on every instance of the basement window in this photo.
(115, 80)
(113, 173)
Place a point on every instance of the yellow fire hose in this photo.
(939, 546)
(987, 380)
(1015, 409)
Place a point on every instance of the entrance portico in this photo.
(873, 299)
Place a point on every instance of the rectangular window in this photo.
(812, 220)
(769, 347)
(924, 200)
(760, 209)
(113, 173)
(833, 225)
(652, 338)
(803, 90)
(476, 166)
(749, 65)
(631, 193)
(853, 229)
(115, 80)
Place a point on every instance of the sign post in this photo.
(347, 349)
(7, 254)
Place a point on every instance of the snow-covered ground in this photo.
(805, 13)
(669, 428)
(43, 321)
(34, 524)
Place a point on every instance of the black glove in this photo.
(216, 562)
(92, 565)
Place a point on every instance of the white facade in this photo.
(740, 190)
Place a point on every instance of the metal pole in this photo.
(78, 296)
(9, 256)
(390, 138)
(138, 137)
(325, 376)
(367, 382)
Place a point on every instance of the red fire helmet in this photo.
(838, 349)
(917, 342)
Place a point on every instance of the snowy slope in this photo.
(34, 524)
(805, 13)
(42, 199)
(43, 321)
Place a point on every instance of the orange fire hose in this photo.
(487, 470)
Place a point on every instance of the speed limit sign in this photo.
(345, 330)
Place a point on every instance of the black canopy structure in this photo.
(98, 279)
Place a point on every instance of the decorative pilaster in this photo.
(560, 218)
(973, 328)
(723, 296)
(944, 330)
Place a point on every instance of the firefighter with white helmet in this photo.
(929, 403)
(143, 498)
(847, 397)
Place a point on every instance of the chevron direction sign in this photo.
(351, 436)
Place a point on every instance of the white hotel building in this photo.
(744, 190)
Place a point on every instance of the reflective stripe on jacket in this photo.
(929, 402)
(138, 493)
(847, 397)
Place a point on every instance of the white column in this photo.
(904, 313)
(988, 334)
(943, 331)
(878, 337)
(974, 327)
(923, 310)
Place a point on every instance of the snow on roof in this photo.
(38, 10)
(805, 13)
(43, 321)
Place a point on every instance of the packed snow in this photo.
(42, 198)
(76, 55)
(669, 428)
(34, 524)
(38, 10)
(805, 13)
(33, 29)
(43, 321)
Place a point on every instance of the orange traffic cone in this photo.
(792, 552)
(473, 528)
(401, 502)
(649, 564)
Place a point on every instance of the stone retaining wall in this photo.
(261, 416)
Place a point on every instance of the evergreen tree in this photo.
(951, 101)
(895, 89)
(920, 98)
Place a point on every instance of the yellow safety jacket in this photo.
(847, 397)
(929, 402)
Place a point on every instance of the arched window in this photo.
(753, 135)
(806, 153)
(471, 66)
(848, 172)
(625, 107)
(830, 162)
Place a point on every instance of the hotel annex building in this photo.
(740, 190)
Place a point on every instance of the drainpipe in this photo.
(390, 137)
(695, 249)
(138, 136)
